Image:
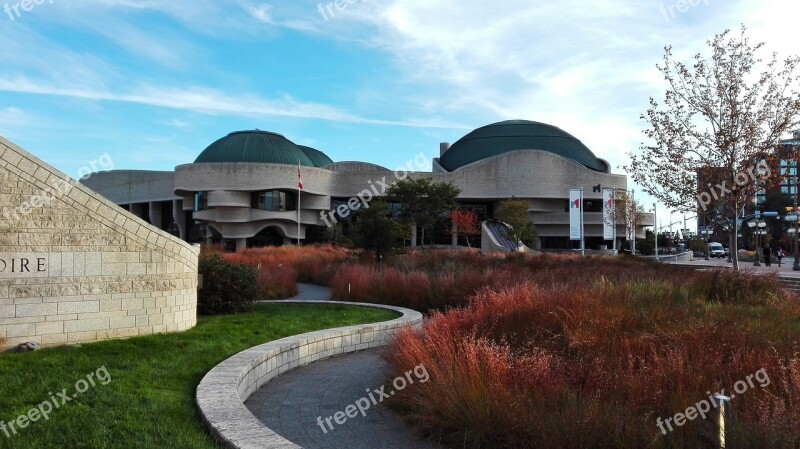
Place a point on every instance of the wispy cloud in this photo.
(209, 101)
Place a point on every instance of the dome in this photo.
(503, 137)
(261, 147)
(319, 158)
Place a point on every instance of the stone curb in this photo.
(223, 391)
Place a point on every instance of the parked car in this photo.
(716, 250)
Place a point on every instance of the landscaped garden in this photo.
(140, 392)
(560, 351)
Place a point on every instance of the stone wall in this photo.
(74, 267)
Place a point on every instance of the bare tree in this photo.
(720, 115)
(627, 212)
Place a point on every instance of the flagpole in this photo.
(299, 183)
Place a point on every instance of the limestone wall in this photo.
(74, 267)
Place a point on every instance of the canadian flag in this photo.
(299, 178)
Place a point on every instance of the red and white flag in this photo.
(299, 178)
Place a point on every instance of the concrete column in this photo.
(241, 245)
(180, 217)
(454, 231)
(156, 215)
(413, 235)
(136, 209)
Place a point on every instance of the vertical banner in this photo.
(575, 214)
(608, 214)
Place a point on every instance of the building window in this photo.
(274, 201)
(200, 201)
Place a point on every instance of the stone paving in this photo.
(291, 403)
(311, 292)
(783, 271)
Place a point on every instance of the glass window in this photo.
(200, 201)
(273, 200)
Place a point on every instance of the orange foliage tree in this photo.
(466, 223)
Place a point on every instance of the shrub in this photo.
(227, 287)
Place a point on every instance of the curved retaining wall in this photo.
(223, 391)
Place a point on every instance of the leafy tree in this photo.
(514, 213)
(375, 230)
(466, 223)
(423, 202)
(335, 234)
(720, 116)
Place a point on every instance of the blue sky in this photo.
(153, 82)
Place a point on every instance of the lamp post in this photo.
(757, 226)
(655, 230)
(794, 184)
(796, 266)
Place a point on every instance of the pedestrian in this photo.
(767, 256)
(779, 254)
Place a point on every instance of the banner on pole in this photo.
(575, 214)
(608, 214)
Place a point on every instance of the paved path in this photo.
(784, 271)
(311, 292)
(291, 403)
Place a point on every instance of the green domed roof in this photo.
(503, 137)
(319, 158)
(261, 147)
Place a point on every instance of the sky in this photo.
(151, 83)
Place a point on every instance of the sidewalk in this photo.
(784, 271)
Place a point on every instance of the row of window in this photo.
(273, 200)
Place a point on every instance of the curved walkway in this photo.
(311, 292)
(292, 403)
(221, 394)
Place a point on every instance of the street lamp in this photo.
(758, 227)
(793, 183)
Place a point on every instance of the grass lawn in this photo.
(149, 401)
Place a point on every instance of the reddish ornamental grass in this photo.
(564, 360)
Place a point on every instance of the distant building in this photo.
(243, 189)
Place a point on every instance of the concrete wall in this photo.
(133, 186)
(74, 267)
(540, 177)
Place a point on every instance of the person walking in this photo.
(767, 256)
(779, 254)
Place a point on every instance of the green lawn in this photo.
(149, 401)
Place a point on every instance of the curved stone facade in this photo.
(74, 267)
(542, 177)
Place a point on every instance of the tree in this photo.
(423, 201)
(375, 230)
(514, 213)
(627, 212)
(466, 223)
(335, 234)
(720, 115)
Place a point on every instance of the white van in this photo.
(716, 250)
